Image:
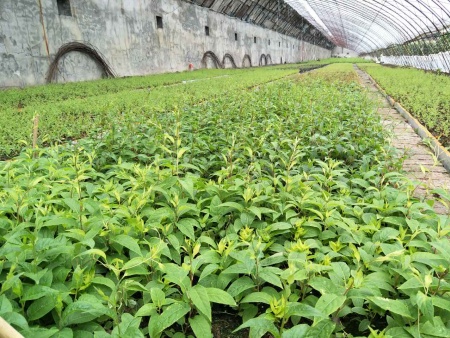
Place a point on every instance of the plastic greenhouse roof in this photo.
(367, 25)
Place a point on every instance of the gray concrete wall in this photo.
(125, 32)
(342, 52)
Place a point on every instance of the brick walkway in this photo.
(420, 164)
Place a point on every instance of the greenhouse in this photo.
(224, 168)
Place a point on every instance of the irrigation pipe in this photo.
(441, 152)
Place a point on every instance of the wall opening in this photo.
(279, 44)
(235, 36)
(254, 39)
(159, 22)
(206, 30)
(269, 42)
(64, 7)
(263, 60)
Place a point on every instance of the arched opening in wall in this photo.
(210, 60)
(268, 59)
(78, 61)
(263, 60)
(281, 61)
(228, 61)
(246, 61)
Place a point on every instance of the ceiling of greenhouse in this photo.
(367, 25)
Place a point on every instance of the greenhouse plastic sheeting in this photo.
(365, 26)
(428, 62)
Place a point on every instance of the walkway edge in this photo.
(439, 150)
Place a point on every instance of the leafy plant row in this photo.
(277, 205)
(425, 95)
(73, 118)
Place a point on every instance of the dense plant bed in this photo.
(71, 111)
(276, 206)
(424, 95)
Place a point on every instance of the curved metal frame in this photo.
(247, 57)
(81, 47)
(371, 27)
(229, 57)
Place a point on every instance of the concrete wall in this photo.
(125, 32)
(342, 52)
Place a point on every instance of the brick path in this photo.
(420, 164)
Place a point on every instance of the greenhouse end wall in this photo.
(126, 34)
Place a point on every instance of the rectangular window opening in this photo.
(254, 39)
(235, 36)
(64, 7)
(206, 30)
(279, 44)
(159, 22)
(269, 42)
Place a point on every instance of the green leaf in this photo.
(259, 327)
(147, 310)
(395, 306)
(104, 281)
(303, 310)
(186, 226)
(39, 332)
(258, 297)
(412, 283)
(326, 286)
(93, 252)
(158, 296)
(84, 310)
(221, 297)
(398, 221)
(271, 278)
(135, 262)
(199, 297)
(5, 305)
(188, 186)
(15, 319)
(323, 329)
(73, 204)
(280, 226)
(201, 326)
(64, 333)
(435, 328)
(128, 242)
(329, 303)
(41, 307)
(298, 331)
(240, 285)
(440, 302)
(170, 316)
(208, 270)
(425, 305)
(232, 205)
(256, 211)
(37, 291)
(128, 327)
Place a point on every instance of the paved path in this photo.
(420, 164)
